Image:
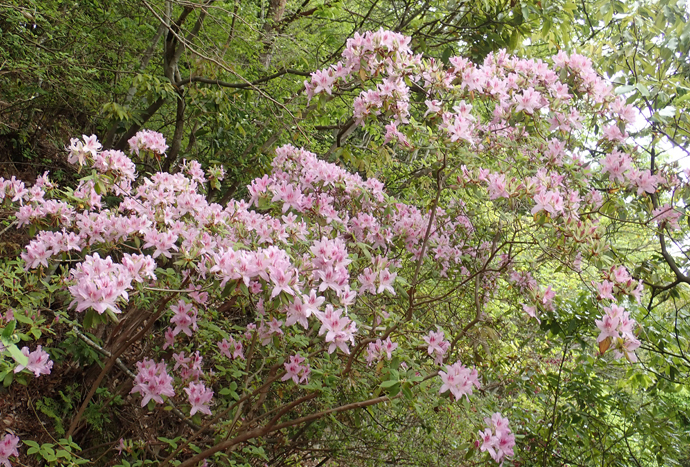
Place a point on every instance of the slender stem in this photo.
(555, 406)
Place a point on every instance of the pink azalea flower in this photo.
(99, 284)
(437, 345)
(666, 216)
(529, 101)
(339, 329)
(608, 327)
(489, 442)
(39, 362)
(185, 316)
(169, 338)
(199, 397)
(605, 290)
(296, 371)
(152, 381)
(147, 140)
(225, 346)
(531, 311)
(459, 380)
(497, 439)
(386, 280)
(8, 447)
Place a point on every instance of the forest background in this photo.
(224, 82)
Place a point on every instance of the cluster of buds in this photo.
(583, 231)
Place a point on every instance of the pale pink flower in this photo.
(99, 283)
(199, 397)
(497, 439)
(605, 290)
(147, 140)
(39, 362)
(152, 381)
(531, 311)
(296, 371)
(459, 380)
(185, 316)
(8, 447)
(666, 216)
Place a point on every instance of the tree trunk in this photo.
(276, 11)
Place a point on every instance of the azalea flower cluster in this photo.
(339, 329)
(380, 349)
(226, 346)
(152, 382)
(618, 281)
(620, 168)
(111, 162)
(301, 309)
(366, 55)
(438, 346)
(296, 371)
(82, 152)
(99, 283)
(617, 328)
(540, 299)
(459, 380)
(190, 367)
(148, 140)
(38, 208)
(154, 212)
(377, 281)
(185, 315)
(199, 397)
(497, 439)
(383, 63)
(666, 216)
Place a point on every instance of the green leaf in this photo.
(668, 111)
(89, 318)
(445, 56)
(389, 383)
(624, 89)
(23, 319)
(365, 249)
(17, 355)
(407, 393)
(111, 314)
(642, 89)
(8, 331)
(8, 379)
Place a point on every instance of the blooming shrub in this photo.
(291, 287)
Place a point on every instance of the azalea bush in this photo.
(228, 329)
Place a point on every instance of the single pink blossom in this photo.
(39, 362)
(8, 447)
